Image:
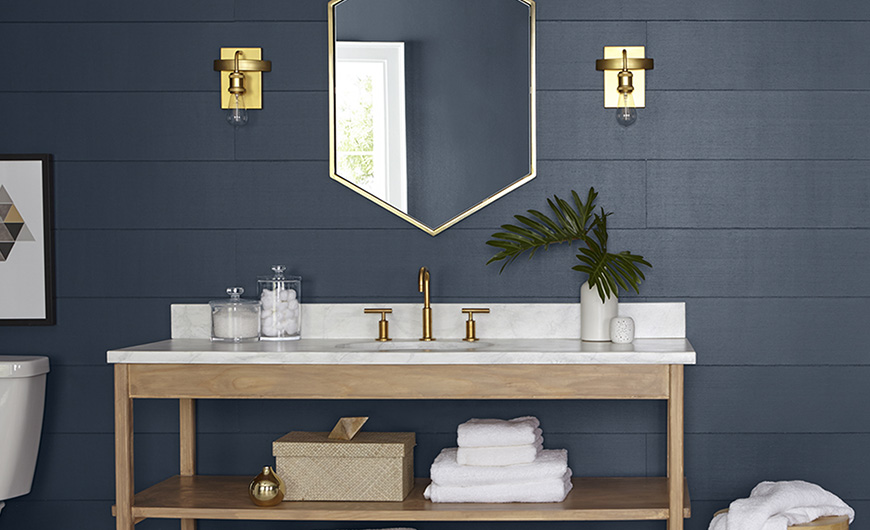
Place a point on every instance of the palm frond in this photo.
(538, 231)
(607, 271)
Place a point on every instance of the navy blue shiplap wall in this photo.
(745, 182)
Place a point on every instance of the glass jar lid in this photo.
(235, 298)
(278, 280)
(278, 273)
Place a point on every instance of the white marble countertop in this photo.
(368, 351)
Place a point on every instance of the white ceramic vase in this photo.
(595, 315)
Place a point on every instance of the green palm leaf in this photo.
(607, 271)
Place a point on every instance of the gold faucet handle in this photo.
(383, 325)
(470, 324)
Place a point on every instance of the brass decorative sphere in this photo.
(267, 488)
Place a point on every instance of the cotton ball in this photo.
(292, 327)
(265, 294)
(293, 304)
(269, 331)
(283, 296)
(268, 302)
(291, 294)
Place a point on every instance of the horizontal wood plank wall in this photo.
(745, 182)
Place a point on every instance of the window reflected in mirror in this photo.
(370, 118)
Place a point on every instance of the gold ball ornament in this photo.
(267, 488)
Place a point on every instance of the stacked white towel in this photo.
(489, 442)
(478, 432)
(500, 461)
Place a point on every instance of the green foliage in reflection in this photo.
(607, 271)
(356, 134)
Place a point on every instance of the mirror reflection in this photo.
(432, 103)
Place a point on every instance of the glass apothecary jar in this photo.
(280, 305)
(234, 319)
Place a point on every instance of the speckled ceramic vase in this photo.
(595, 315)
(622, 330)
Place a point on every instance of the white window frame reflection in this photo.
(385, 63)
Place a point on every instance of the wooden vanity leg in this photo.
(187, 444)
(123, 450)
(676, 472)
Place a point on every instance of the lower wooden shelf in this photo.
(222, 497)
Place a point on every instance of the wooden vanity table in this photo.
(191, 369)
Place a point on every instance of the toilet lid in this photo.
(22, 365)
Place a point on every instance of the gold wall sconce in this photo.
(624, 72)
(243, 81)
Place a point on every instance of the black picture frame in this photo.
(27, 295)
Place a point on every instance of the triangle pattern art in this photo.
(25, 235)
(12, 226)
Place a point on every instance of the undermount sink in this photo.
(413, 345)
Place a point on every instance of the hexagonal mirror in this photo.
(432, 103)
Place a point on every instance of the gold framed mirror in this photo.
(432, 103)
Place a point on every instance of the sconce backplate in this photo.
(611, 96)
(253, 80)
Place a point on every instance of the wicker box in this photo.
(373, 466)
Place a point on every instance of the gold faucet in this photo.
(423, 280)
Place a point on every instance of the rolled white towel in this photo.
(777, 505)
(507, 455)
(447, 471)
(549, 490)
(478, 432)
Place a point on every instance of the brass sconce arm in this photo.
(242, 65)
(626, 63)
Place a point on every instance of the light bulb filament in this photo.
(237, 115)
(626, 112)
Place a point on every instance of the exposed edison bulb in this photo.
(237, 115)
(626, 113)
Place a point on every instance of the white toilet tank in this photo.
(22, 399)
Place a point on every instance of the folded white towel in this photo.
(490, 432)
(507, 455)
(447, 471)
(549, 490)
(776, 505)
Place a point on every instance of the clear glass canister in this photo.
(281, 307)
(234, 319)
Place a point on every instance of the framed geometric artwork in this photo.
(26, 274)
